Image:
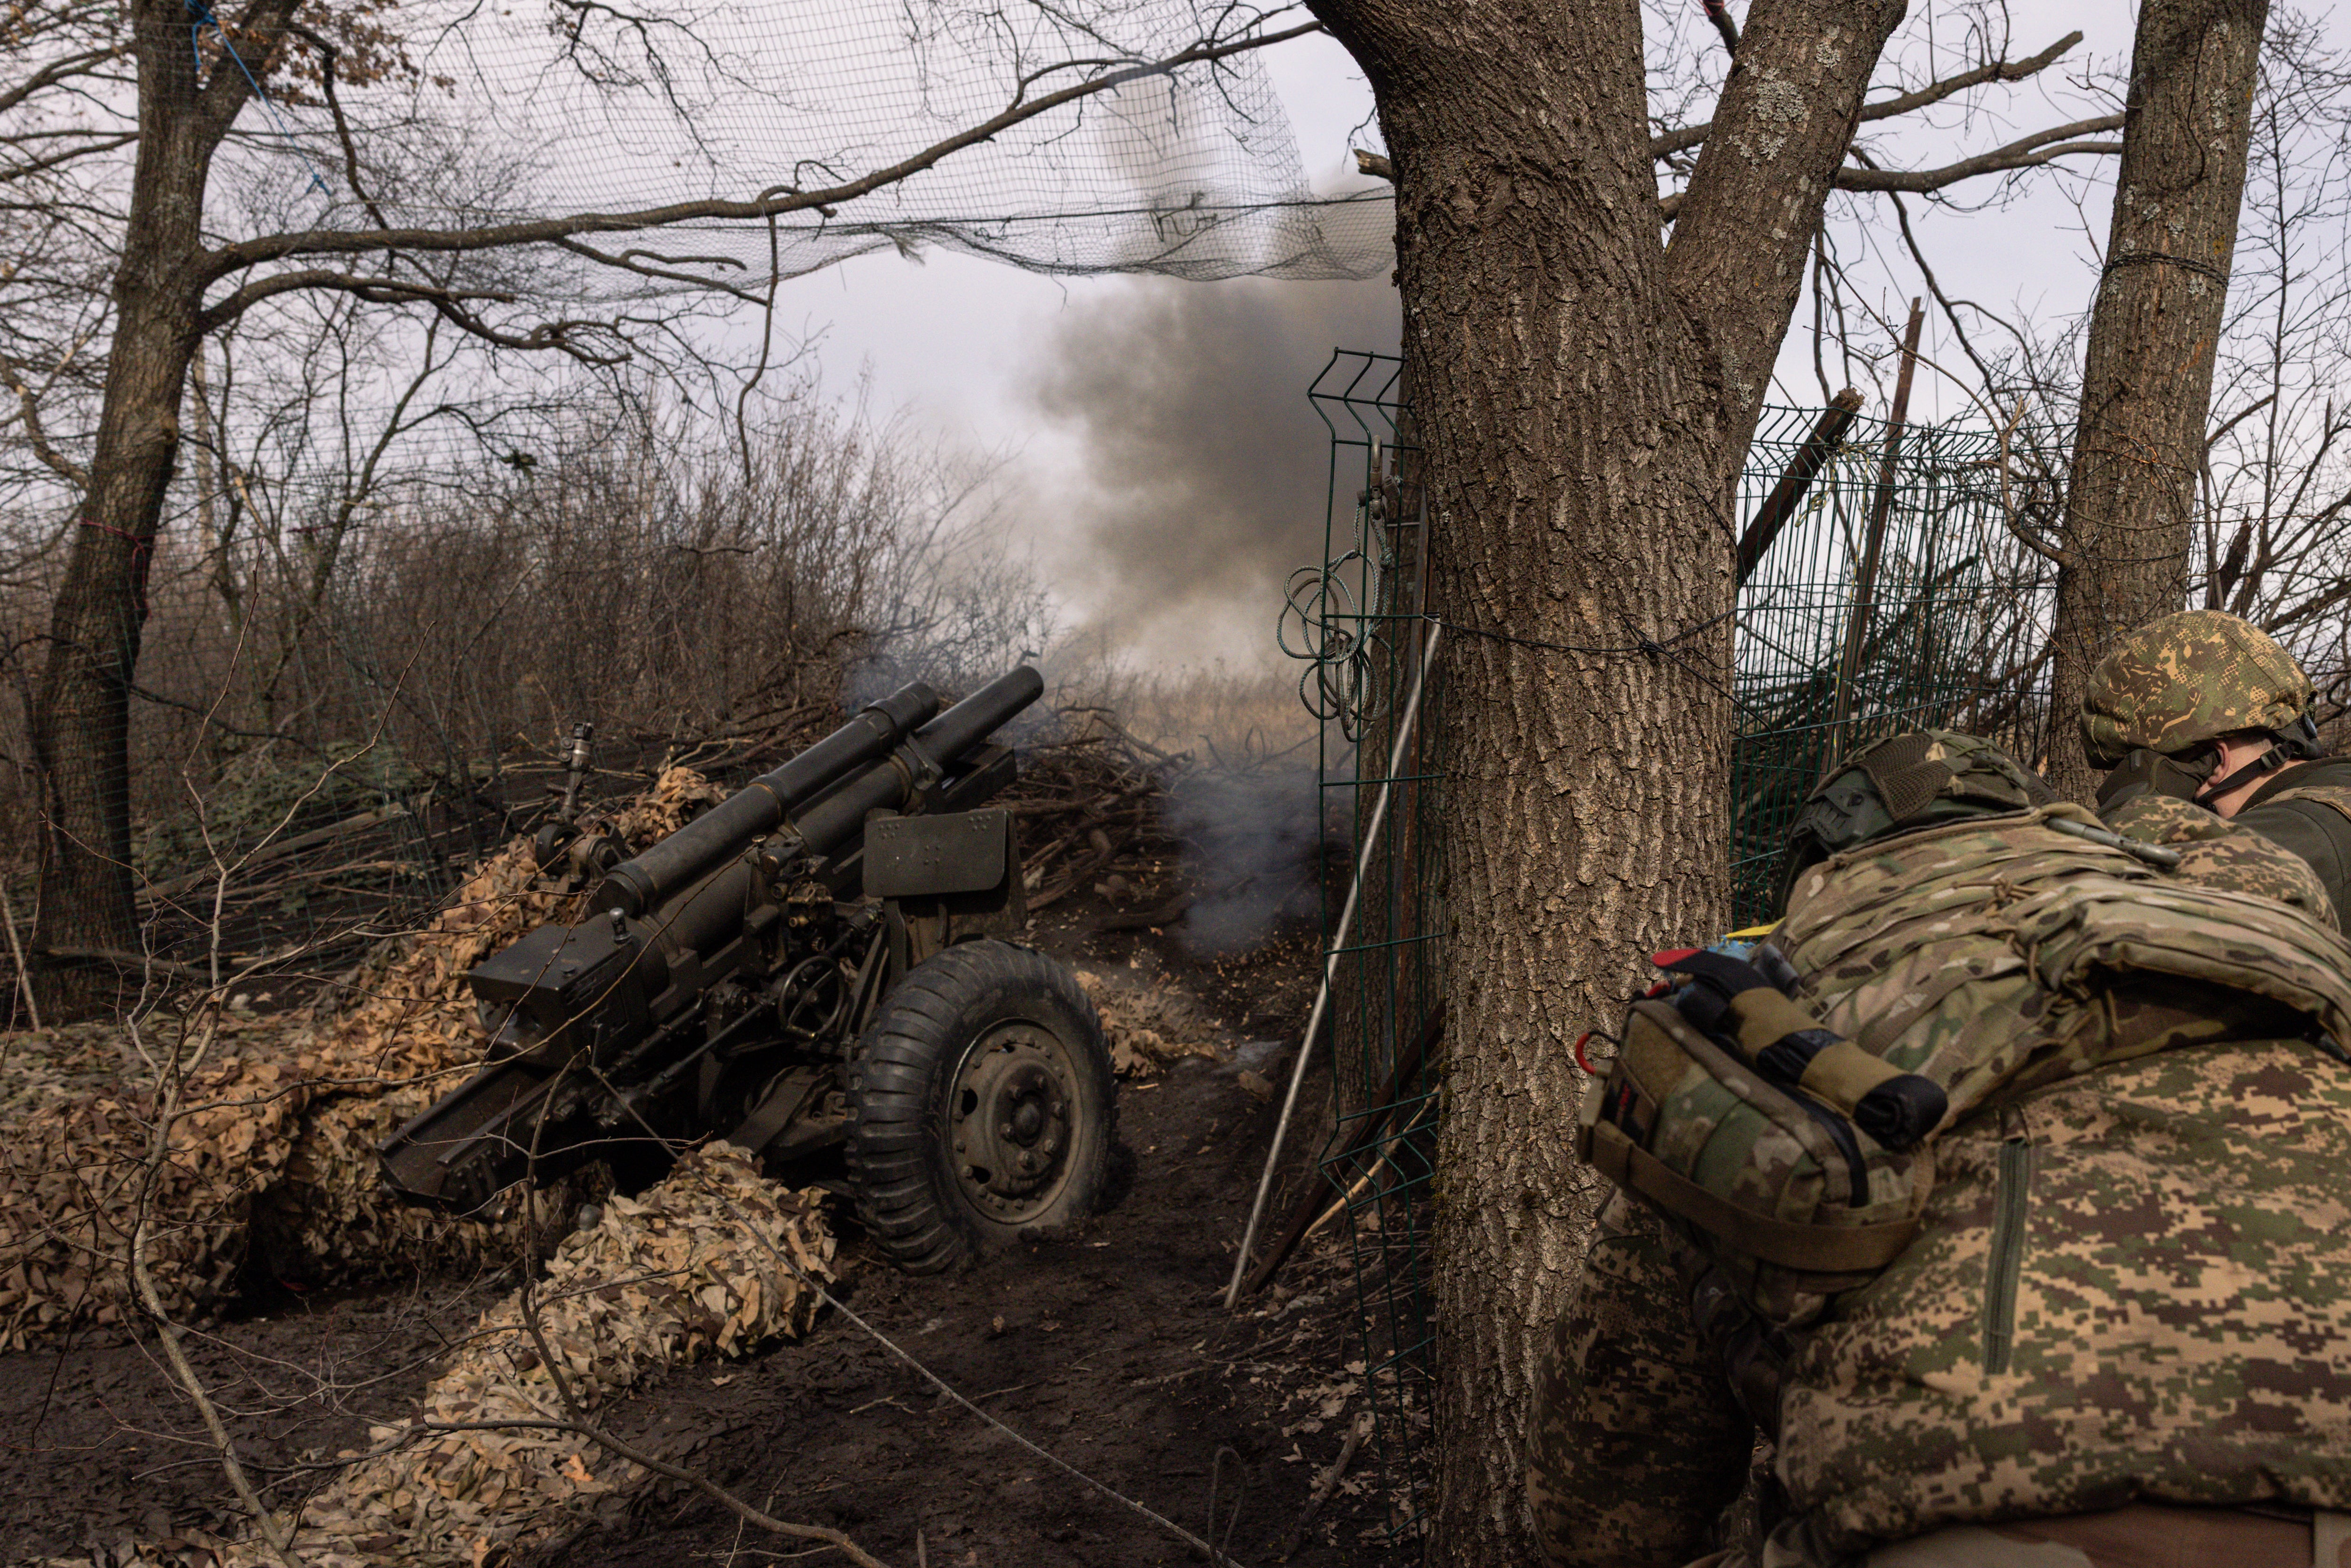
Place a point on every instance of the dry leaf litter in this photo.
(1149, 1022)
(279, 1120)
(689, 1269)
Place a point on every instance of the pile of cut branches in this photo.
(1089, 804)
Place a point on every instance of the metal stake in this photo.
(1331, 965)
(23, 978)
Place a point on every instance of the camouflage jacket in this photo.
(2134, 1284)
(2135, 1281)
(2131, 1285)
(2305, 808)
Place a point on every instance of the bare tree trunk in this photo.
(1585, 396)
(81, 709)
(2146, 375)
(82, 733)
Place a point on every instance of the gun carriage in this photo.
(819, 968)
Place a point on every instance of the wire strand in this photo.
(2150, 257)
(202, 13)
(1649, 646)
(941, 1384)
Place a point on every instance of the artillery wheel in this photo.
(981, 1106)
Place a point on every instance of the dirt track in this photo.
(1108, 1349)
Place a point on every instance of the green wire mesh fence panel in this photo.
(1357, 621)
(1887, 593)
(1878, 594)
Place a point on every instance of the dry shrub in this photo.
(1218, 716)
(279, 1125)
(631, 561)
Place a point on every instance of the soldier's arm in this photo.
(1635, 1444)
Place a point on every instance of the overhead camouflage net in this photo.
(541, 110)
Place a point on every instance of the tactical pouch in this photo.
(1786, 1193)
(1982, 958)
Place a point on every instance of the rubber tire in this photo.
(900, 1075)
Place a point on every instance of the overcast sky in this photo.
(1160, 459)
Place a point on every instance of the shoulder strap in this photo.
(2335, 795)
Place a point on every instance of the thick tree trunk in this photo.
(82, 713)
(1585, 396)
(81, 709)
(2146, 375)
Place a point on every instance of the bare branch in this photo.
(167, 1330)
(28, 411)
(73, 153)
(2213, 436)
(1934, 92)
(50, 75)
(2025, 153)
(378, 289)
(772, 203)
(1720, 14)
(639, 261)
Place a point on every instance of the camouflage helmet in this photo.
(2185, 679)
(1914, 779)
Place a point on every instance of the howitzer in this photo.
(816, 970)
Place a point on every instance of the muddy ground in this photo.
(1107, 1349)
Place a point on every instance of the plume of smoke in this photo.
(1252, 839)
(1205, 469)
(1204, 482)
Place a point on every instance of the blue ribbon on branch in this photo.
(202, 14)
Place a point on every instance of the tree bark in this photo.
(1585, 394)
(2146, 372)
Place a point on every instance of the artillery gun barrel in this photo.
(839, 816)
(635, 887)
(704, 917)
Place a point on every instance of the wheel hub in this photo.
(1011, 1121)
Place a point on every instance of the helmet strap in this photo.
(2269, 761)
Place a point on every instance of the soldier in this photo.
(2205, 707)
(2121, 1337)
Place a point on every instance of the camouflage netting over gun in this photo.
(695, 1267)
(274, 1146)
